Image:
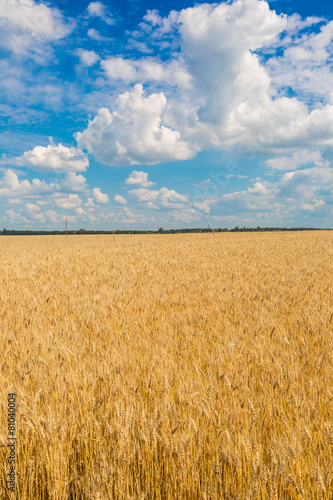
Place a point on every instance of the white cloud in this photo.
(100, 197)
(48, 216)
(73, 182)
(281, 125)
(11, 186)
(285, 200)
(52, 159)
(231, 102)
(217, 41)
(70, 202)
(33, 17)
(163, 197)
(52, 216)
(118, 68)
(307, 182)
(26, 25)
(34, 195)
(95, 35)
(131, 214)
(90, 202)
(317, 204)
(15, 216)
(31, 207)
(87, 57)
(163, 25)
(139, 46)
(259, 188)
(185, 215)
(307, 206)
(295, 24)
(147, 70)
(296, 160)
(305, 63)
(226, 71)
(39, 217)
(134, 132)
(120, 199)
(153, 17)
(139, 178)
(152, 205)
(205, 205)
(97, 9)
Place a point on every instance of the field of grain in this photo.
(168, 366)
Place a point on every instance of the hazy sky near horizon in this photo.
(134, 114)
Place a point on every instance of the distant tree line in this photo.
(160, 230)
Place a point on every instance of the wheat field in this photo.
(193, 366)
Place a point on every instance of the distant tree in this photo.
(4, 230)
(160, 230)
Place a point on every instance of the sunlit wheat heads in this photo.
(189, 366)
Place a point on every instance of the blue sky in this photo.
(134, 115)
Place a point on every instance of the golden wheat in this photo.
(168, 366)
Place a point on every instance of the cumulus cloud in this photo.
(227, 73)
(309, 182)
(11, 186)
(296, 160)
(185, 215)
(87, 57)
(97, 9)
(120, 199)
(100, 197)
(31, 207)
(218, 41)
(48, 216)
(259, 188)
(233, 99)
(139, 178)
(52, 215)
(306, 206)
(52, 159)
(60, 194)
(205, 205)
(90, 203)
(308, 190)
(147, 70)
(281, 125)
(163, 197)
(73, 182)
(16, 216)
(134, 133)
(69, 202)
